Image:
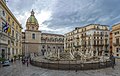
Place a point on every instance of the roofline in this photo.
(115, 24)
(53, 34)
(95, 24)
(86, 26)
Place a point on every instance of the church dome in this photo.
(32, 20)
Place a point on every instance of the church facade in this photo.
(37, 43)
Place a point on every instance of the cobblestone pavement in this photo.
(17, 69)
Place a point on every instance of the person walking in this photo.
(23, 61)
(27, 62)
(112, 58)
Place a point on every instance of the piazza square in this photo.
(59, 38)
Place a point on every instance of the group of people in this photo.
(25, 61)
(112, 58)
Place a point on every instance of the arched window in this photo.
(32, 28)
(28, 28)
(33, 36)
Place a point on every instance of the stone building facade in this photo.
(91, 39)
(53, 43)
(10, 33)
(116, 40)
(111, 43)
(37, 43)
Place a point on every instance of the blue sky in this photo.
(62, 16)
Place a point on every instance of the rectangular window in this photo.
(117, 50)
(101, 33)
(13, 23)
(8, 42)
(3, 25)
(33, 36)
(8, 19)
(117, 41)
(16, 43)
(8, 51)
(13, 51)
(12, 43)
(16, 36)
(12, 33)
(3, 12)
(17, 51)
(94, 42)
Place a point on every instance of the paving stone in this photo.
(18, 69)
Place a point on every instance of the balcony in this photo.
(83, 45)
(79, 46)
(106, 44)
(101, 44)
(12, 37)
(95, 45)
(83, 36)
(88, 44)
(98, 44)
(106, 35)
(106, 51)
(116, 44)
(97, 34)
(77, 38)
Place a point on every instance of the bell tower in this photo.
(32, 35)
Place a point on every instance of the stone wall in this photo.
(71, 65)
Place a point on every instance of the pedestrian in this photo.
(76, 70)
(112, 58)
(12, 60)
(23, 61)
(27, 62)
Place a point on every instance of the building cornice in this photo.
(42, 43)
(77, 28)
(33, 30)
(9, 12)
(52, 34)
(116, 29)
(116, 24)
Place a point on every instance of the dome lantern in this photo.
(32, 13)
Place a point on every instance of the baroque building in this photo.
(111, 43)
(116, 40)
(10, 33)
(37, 43)
(91, 39)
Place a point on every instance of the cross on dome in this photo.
(32, 12)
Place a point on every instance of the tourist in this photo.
(112, 58)
(23, 61)
(27, 62)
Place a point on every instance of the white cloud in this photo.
(43, 16)
(45, 28)
(59, 15)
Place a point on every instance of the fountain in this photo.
(68, 60)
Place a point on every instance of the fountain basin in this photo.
(69, 64)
